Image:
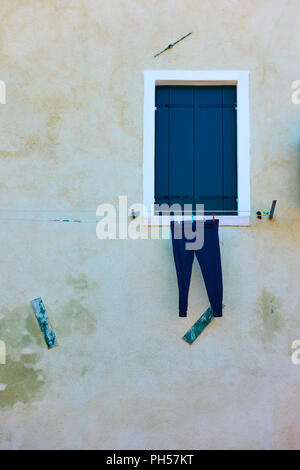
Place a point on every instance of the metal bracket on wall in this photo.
(199, 326)
(133, 214)
(171, 45)
(42, 318)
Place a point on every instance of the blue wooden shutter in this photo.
(195, 147)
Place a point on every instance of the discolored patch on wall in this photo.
(21, 378)
(77, 315)
(270, 320)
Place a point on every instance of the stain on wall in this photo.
(78, 313)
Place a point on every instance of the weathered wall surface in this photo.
(71, 138)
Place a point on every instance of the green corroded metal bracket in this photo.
(199, 326)
(42, 318)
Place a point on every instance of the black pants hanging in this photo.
(209, 259)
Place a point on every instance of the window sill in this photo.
(224, 221)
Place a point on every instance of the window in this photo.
(196, 143)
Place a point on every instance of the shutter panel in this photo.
(162, 145)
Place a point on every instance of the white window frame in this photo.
(240, 78)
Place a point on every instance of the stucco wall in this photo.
(71, 138)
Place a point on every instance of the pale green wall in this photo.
(71, 138)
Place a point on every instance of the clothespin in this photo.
(192, 218)
(213, 217)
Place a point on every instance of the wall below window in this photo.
(71, 138)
